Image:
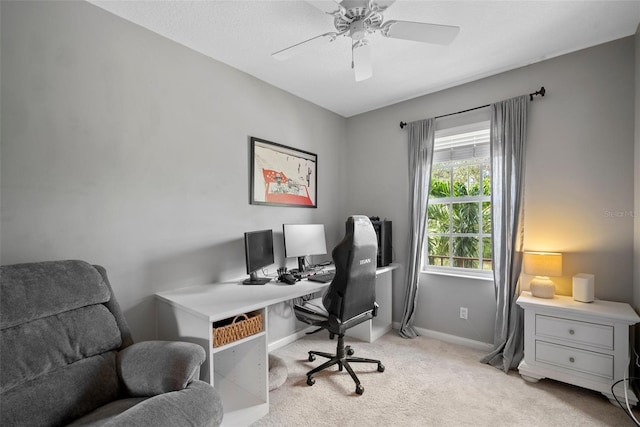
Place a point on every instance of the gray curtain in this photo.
(508, 138)
(421, 135)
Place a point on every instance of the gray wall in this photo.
(125, 149)
(579, 177)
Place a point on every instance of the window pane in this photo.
(438, 218)
(466, 180)
(474, 181)
(465, 217)
(486, 217)
(465, 252)
(440, 182)
(487, 263)
(486, 178)
(438, 251)
(460, 178)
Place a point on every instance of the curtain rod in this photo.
(540, 92)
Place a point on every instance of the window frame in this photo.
(475, 273)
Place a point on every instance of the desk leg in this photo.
(382, 323)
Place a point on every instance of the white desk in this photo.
(241, 368)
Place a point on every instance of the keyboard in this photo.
(322, 277)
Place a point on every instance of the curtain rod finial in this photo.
(540, 92)
(402, 125)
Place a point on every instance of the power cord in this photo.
(627, 409)
(265, 273)
(624, 380)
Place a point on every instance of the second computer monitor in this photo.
(302, 240)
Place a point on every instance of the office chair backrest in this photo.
(352, 291)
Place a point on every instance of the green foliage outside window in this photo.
(459, 215)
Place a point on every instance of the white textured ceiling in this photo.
(495, 36)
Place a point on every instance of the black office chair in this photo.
(350, 298)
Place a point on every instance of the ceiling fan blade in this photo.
(420, 32)
(362, 60)
(310, 44)
(327, 6)
(384, 4)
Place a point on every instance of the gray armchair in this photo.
(67, 357)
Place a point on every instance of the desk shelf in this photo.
(240, 368)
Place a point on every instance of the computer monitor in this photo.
(258, 251)
(302, 240)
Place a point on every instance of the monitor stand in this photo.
(255, 280)
(301, 266)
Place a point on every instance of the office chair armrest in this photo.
(305, 310)
(309, 315)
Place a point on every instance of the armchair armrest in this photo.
(149, 368)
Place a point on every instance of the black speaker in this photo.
(383, 232)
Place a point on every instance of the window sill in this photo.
(460, 274)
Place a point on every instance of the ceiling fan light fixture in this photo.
(361, 60)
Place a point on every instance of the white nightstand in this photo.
(585, 344)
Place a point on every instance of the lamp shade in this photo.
(543, 263)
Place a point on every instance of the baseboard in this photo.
(478, 345)
(453, 339)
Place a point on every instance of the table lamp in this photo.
(543, 265)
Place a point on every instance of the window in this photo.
(459, 212)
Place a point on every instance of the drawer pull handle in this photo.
(571, 359)
(571, 332)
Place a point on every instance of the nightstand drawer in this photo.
(588, 362)
(591, 334)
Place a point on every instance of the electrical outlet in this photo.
(464, 313)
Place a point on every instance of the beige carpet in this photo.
(426, 383)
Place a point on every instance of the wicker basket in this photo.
(241, 326)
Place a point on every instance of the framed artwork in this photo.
(282, 176)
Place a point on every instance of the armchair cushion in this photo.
(55, 335)
(198, 404)
(37, 290)
(63, 395)
(44, 345)
(149, 368)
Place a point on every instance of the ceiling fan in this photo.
(358, 19)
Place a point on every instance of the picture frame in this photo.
(282, 175)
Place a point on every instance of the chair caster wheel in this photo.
(311, 357)
(380, 367)
(350, 351)
(310, 381)
(359, 389)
